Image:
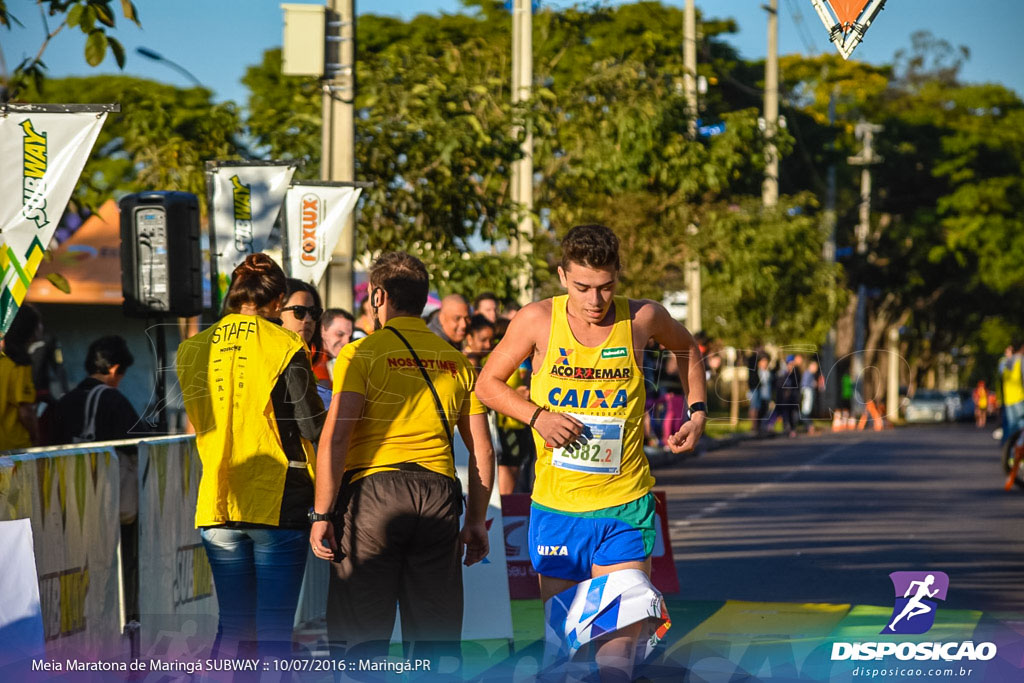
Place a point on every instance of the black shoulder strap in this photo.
(433, 391)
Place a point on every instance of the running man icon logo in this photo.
(914, 609)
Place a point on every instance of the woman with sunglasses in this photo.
(301, 314)
(248, 389)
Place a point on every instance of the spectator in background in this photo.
(761, 393)
(364, 323)
(479, 340)
(1011, 372)
(787, 396)
(486, 304)
(96, 411)
(301, 314)
(336, 328)
(452, 320)
(18, 425)
(510, 309)
(980, 404)
(256, 487)
(809, 394)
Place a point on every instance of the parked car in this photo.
(961, 406)
(927, 406)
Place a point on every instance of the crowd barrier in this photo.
(71, 497)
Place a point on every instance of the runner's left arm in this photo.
(677, 339)
(332, 451)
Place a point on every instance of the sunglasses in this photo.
(300, 312)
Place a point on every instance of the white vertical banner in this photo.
(246, 200)
(315, 213)
(488, 608)
(43, 149)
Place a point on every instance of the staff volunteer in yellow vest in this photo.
(386, 476)
(1011, 374)
(251, 395)
(592, 510)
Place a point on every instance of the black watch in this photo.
(698, 407)
(314, 516)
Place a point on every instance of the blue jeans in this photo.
(258, 574)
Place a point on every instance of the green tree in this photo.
(94, 18)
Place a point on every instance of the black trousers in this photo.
(399, 532)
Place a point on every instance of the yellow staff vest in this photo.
(226, 374)
(1013, 386)
(604, 381)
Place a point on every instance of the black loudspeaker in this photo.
(161, 258)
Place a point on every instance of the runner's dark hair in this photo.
(258, 281)
(404, 278)
(593, 246)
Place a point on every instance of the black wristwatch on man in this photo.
(698, 407)
(314, 516)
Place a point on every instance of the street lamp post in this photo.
(157, 57)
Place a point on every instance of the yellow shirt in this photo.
(400, 423)
(16, 388)
(1013, 387)
(603, 381)
(227, 373)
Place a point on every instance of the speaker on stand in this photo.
(161, 268)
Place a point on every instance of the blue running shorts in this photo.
(564, 545)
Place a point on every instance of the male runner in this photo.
(592, 511)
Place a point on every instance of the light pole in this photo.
(157, 57)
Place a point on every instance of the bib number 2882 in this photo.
(599, 452)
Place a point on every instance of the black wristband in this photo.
(536, 414)
(698, 407)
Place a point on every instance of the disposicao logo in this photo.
(914, 609)
(913, 613)
(241, 196)
(33, 170)
(616, 352)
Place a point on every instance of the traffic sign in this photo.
(847, 21)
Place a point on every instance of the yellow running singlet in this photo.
(603, 386)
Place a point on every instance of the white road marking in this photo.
(720, 505)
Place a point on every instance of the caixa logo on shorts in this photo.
(916, 595)
(552, 550)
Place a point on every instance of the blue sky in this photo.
(217, 39)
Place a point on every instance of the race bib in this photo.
(602, 451)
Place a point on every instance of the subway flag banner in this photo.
(246, 199)
(315, 214)
(42, 153)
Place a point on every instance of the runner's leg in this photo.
(615, 655)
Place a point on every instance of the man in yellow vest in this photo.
(387, 498)
(1012, 376)
(593, 511)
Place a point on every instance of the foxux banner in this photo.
(315, 213)
(43, 149)
(246, 198)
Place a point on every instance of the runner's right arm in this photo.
(558, 429)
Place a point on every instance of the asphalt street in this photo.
(825, 519)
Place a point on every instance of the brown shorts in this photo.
(399, 532)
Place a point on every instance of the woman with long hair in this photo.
(249, 391)
(301, 314)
